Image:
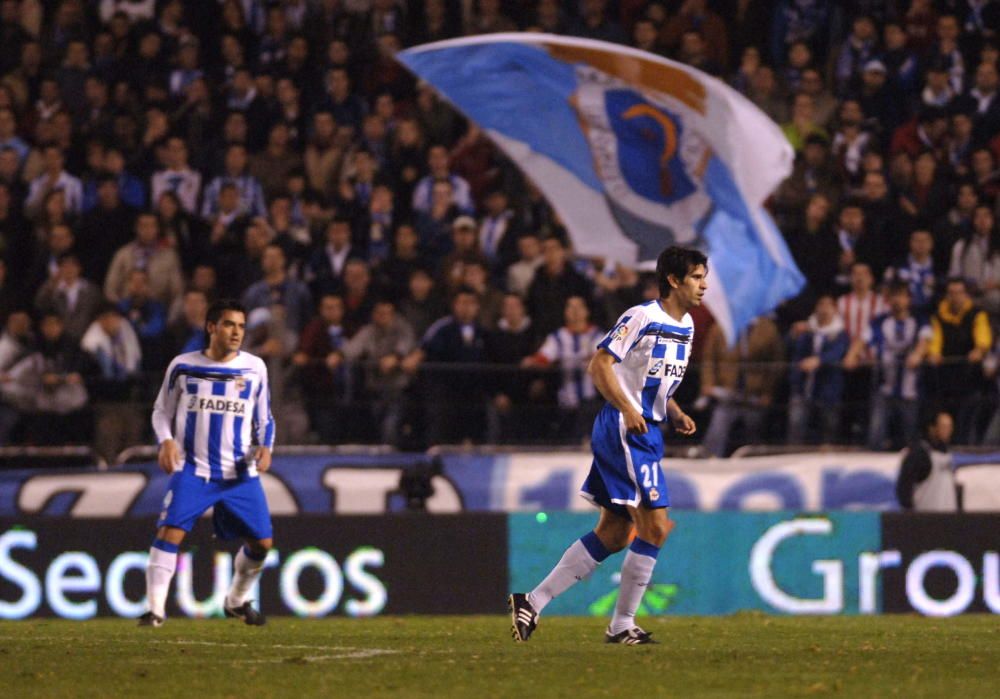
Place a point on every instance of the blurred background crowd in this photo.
(408, 287)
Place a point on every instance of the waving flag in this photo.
(634, 152)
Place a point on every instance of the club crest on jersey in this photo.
(619, 333)
(241, 383)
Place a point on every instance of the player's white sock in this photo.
(159, 572)
(579, 561)
(637, 570)
(246, 569)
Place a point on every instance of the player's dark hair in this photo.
(215, 311)
(898, 287)
(679, 262)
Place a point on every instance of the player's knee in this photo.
(261, 546)
(614, 535)
(656, 532)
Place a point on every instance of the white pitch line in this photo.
(340, 652)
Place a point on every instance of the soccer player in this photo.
(212, 419)
(637, 368)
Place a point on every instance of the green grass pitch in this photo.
(738, 656)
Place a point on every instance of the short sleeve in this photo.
(624, 335)
(550, 348)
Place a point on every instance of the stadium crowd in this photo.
(407, 286)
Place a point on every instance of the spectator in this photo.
(393, 273)
(324, 381)
(976, 259)
(509, 345)
(273, 165)
(438, 170)
(177, 176)
(115, 349)
(817, 376)
(741, 380)
(187, 333)
(324, 153)
(926, 481)
(49, 387)
(147, 252)
(55, 178)
(570, 348)
(148, 318)
(423, 303)
(454, 405)
(277, 288)
(251, 195)
(897, 343)
(916, 270)
(104, 228)
(555, 281)
(382, 344)
(960, 340)
(695, 15)
(594, 22)
(69, 296)
(521, 273)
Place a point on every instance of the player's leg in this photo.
(652, 526)
(610, 536)
(247, 567)
(243, 513)
(648, 511)
(577, 563)
(187, 498)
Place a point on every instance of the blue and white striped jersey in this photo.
(652, 350)
(891, 341)
(217, 412)
(572, 352)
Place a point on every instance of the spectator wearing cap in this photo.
(876, 96)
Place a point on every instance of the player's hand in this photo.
(683, 423)
(635, 422)
(263, 457)
(169, 457)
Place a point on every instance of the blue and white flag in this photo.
(634, 152)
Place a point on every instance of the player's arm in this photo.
(263, 423)
(164, 410)
(601, 370)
